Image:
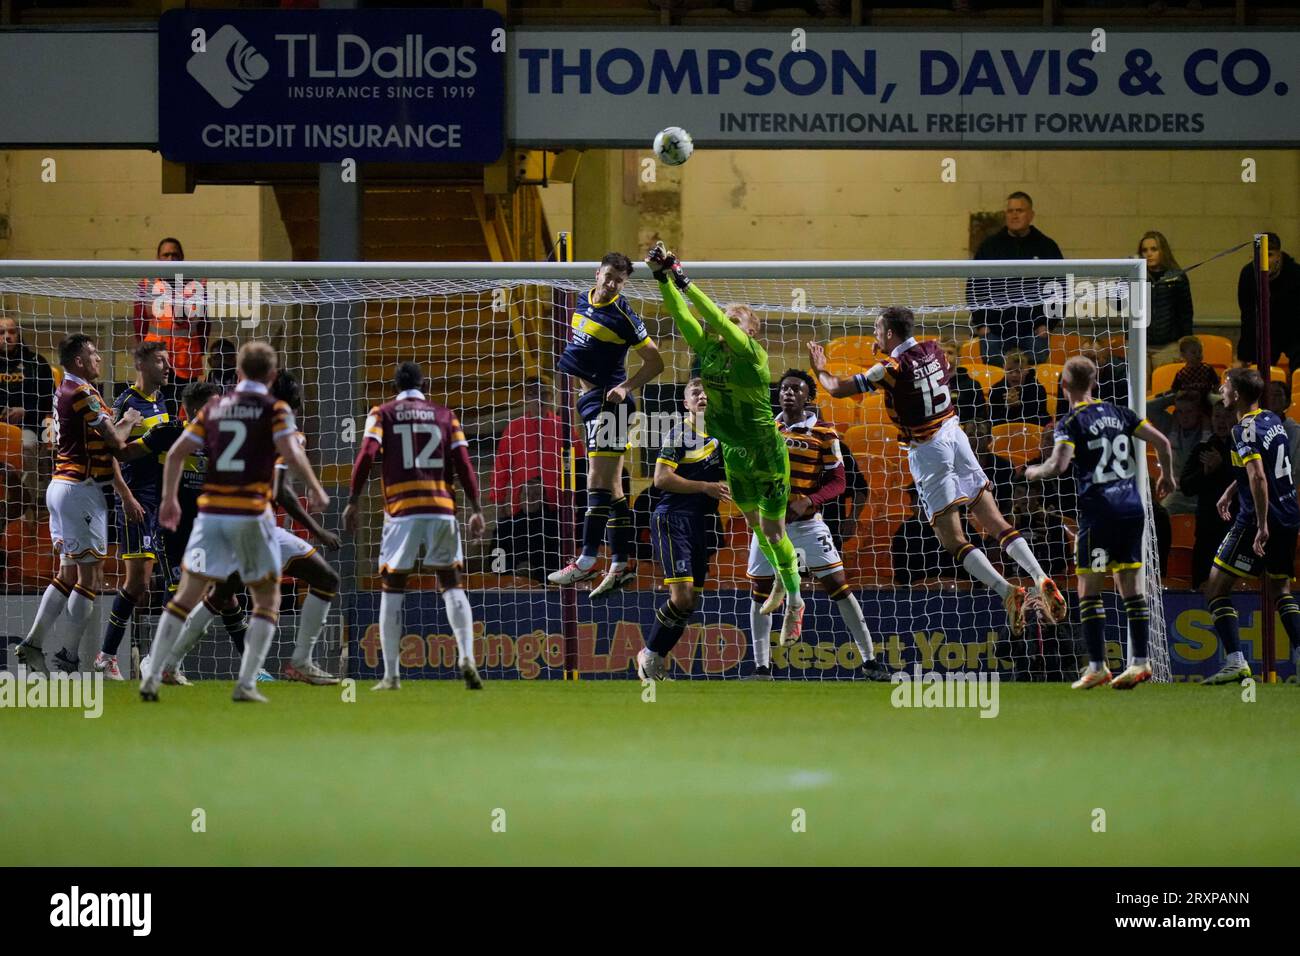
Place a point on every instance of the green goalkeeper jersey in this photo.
(733, 367)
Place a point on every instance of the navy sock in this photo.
(1093, 615)
(1139, 623)
(118, 619)
(236, 622)
(670, 622)
(594, 522)
(1289, 608)
(618, 534)
(1225, 624)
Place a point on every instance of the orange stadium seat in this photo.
(841, 412)
(1184, 530)
(1017, 442)
(1048, 375)
(986, 375)
(1293, 411)
(852, 348)
(1217, 350)
(11, 447)
(1162, 377)
(969, 351)
(1061, 347)
(1275, 373)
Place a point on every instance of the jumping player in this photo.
(423, 450)
(241, 432)
(604, 329)
(689, 471)
(87, 442)
(816, 477)
(914, 376)
(734, 367)
(1098, 439)
(1262, 540)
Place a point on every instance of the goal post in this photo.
(484, 331)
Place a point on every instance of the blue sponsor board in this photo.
(329, 85)
(518, 634)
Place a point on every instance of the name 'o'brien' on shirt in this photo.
(239, 431)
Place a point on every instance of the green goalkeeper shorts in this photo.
(759, 475)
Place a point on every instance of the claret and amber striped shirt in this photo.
(419, 441)
(238, 431)
(81, 452)
(816, 464)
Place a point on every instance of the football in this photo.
(673, 146)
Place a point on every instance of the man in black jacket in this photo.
(1014, 327)
(26, 398)
(1283, 306)
(1206, 475)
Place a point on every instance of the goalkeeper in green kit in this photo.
(739, 414)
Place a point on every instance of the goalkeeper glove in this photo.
(657, 260)
(678, 274)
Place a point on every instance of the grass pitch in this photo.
(709, 773)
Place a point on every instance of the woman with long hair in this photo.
(1170, 299)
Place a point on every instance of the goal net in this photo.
(488, 336)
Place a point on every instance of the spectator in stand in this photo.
(1018, 397)
(1190, 428)
(526, 475)
(1059, 496)
(1112, 379)
(529, 536)
(1277, 399)
(26, 401)
(1044, 530)
(1205, 477)
(185, 335)
(841, 514)
(1000, 472)
(1170, 300)
(1195, 375)
(221, 364)
(916, 551)
(967, 394)
(1283, 306)
(1164, 526)
(1015, 327)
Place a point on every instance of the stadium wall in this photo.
(517, 635)
(891, 204)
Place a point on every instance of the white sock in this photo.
(1020, 553)
(53, 603)
(164, 640)
(585, 562)
(1137, 661)
(1095, 666)
(256, 643)
(616, 566)
(310, 622)
(75, 620)
(192, 631)
(851, 611)
(1237, 659)
(760, 630)
(977, 565)
(462, 622)
(390, 630)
